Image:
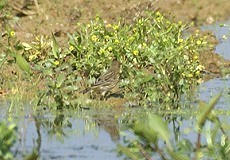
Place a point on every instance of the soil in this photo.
(31, 18)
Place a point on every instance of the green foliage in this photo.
(150, 129)
(12, 53)
(2, 4)
(56, 66)
(22, 63)
(205, 112)
(158, 63)
(7, 140)
(216, 137)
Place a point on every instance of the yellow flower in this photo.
(115, 27)
(58, 85)
(180, 40)
(158, 14)
(94, 38)
(199, 42)
(116, 41)
(190, 75)
(180, 23)
(101, 51)
(144, 44)
(110, 49)
(109, 25)
(197, 72)
(135, 52)
(56, 62)
(12, 33)
(195, 57)
(71, 48)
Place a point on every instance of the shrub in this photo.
(158, 63)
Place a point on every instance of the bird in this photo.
(107, 81)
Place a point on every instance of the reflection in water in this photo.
(68, 137)
(86, 135)
(36, 150)
(110, 124)
(55, 127)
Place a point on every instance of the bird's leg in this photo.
(103, 96)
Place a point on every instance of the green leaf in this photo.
(127, 152)
(2, 59)
(55, 48)
(205, 111)
(141, 128)
(2, 4)
(22, 63)
(161, 127)
(181, 82)
(60, 80)
(177, 156)
(152, 128)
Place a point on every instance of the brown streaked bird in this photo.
(107, 81)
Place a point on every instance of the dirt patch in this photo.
(200, 12)
(30, 18)
(216, 66)
(61, 16)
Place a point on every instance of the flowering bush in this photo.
(159, 64)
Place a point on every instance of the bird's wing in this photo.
(105, 77)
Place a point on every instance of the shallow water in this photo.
(208, 89)
(73, 144)
(82, 135)
(82, 138)
(211, 88)
(223, 47)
